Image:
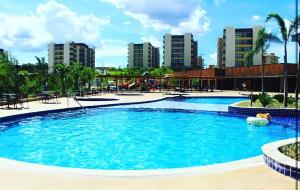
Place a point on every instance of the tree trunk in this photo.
(262, 75)
(297, 80)
(285, 101)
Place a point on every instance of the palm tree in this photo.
(75, 71)
(62, 70)
(261, 45)
(42, 71)
(88, 75)
(286, 32)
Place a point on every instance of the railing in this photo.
(205, 73)
(255, 71)
(274, 70)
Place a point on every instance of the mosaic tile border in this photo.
(282, 168)
(253, 111)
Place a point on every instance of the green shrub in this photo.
(290, 150)
(253, 97)
(279, 97)
(291, 100)
(265, 99)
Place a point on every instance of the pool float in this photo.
(264, 115)
(257, 121)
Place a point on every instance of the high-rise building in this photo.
(70, 52)
(180, 51)
(143, 55)
(2, 51)
(220, 53)
(200, 64)
(271, 58)
(237, 42)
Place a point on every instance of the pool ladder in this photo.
(79, 103)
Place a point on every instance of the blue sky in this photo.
(109, 25)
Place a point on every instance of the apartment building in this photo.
(143, 55)
(271, 59)
(180, 51)
(237, 42)
(70, 52)
(2, 51)
(220, 53)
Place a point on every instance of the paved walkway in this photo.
(254, 178)
(257, 177)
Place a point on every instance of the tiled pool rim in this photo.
(125, 174)
(280, 162)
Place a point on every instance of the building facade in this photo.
(180, 51)
(220, 53)
(200, 62)
(236, 43)
(3, 52)
(70, 52)
(271, 59)
(143, 55)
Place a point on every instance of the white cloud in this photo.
(173, 15)
(218, 3)
(213, 58)
(193, 24)
(148, 22)
(50, 21)
(256, 17)
(111, 48)
(126, 22)
(154, 41)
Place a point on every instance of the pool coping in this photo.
(125, 174)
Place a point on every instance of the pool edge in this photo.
(131, 174)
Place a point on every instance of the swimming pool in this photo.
(133, 138)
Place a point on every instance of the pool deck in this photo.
(257, 176)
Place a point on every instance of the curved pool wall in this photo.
(288, 112)
(131, 174)
(197, 145)
(280, 162)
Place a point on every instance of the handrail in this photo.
(79, 103)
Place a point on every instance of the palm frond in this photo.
(281, 23)
(293, 26)
(248, 55)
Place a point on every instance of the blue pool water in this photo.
(135, 138)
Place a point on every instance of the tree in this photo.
(42, 72)
(62, 71)
(286, 32)
(8, 74)
(261, 45)
(75, 72)
(88, 75)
